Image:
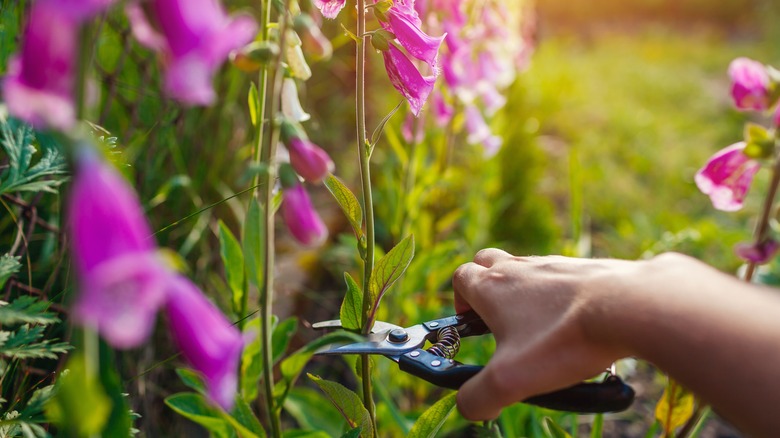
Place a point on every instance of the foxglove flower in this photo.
(480, 133)
(750, 84)
(302, 220)
(406, 28)
(330, 8)
(206, 338)
(314, 43)
(308, 159)
(194, 37)
(121, 280)
(727, 176)
(291, 105)
(40, 83)
(757, 253)
(80, 9)
(296, 62)
(407, 79)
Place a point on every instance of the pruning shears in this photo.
(436, 364)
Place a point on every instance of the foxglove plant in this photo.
(727, 176)
(309, 160)
(194, 38)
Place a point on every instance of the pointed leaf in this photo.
(348, 403)
(244, 415)
(252, 242)
(352, 305)
(191, 379)
(195, 408)
(674, 408)
(306, 406)
(554, 430)
(354, 433)
(388, 270)
(233, 261)
(381, 126)
(350, 34)
(348, 203)
(281, 336)
(26, 309)
(433, 418)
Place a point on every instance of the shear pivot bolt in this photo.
(434, 324)
(435, 363)
(414, 353)
(397, 336)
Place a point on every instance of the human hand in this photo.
(538, 309)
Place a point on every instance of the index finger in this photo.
(464, 284)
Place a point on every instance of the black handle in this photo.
(611, 395)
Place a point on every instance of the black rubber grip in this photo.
(611, 395)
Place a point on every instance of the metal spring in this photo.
(448, 343)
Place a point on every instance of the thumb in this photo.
(483, 396)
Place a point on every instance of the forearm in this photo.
(717, 336)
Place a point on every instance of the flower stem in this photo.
(763, 224)
(368, 203)
(268, 178)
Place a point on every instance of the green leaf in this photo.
(674, 408)
(553, 430)
(433, 418)
(388, 270)
(26, 343)
(349, 33)
(253, 103)
(348, 403)
(381, 126)
(9, 265)
(175, 182)
(281, 336)
(306, 406)
(252, 243)
(81, 406)
(26, 309)
(348, 203)
(292, 366)
(233, 261)
(247, 419)
(191, 379)
(354, 433)
(352, 305)
(195, 408)
(20, 176)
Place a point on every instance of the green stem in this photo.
(267, 157)
(368, 203)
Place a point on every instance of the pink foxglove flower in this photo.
(750, 84)
(330, 8)
(727, 176)
(40, 84)
(406, 27)
(80, 9)
(479, 132)
(309, 160)
(195, 37)
(122, 283)
(206, 338)
(302, 220)
(315, 44)
(407, 79)
(760, 253)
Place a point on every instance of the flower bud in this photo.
(750, 84)
(254, 55)
(315, 44)
(309, 160)
(757, 253)
(291, 105)
(296, 62)
(302, 220)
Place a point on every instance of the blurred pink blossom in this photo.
(195, 37)
(749, 84)
(209, 342)
(40, 84)
(727, 176)
(757, 253)
(121, 279)
(330, 8)
(309, 160)
(302, 220)
(405, 25)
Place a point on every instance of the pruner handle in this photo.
(610, 395)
